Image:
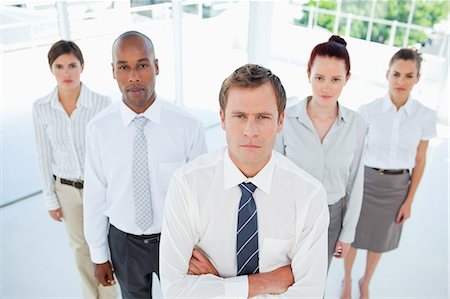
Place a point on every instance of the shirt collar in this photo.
(299, 111)
(82, 101)
(233, 176)
(388, 104)
(153, 113)
(53, 99)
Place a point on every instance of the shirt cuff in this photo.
(236, 287)
(99, 255)
(346, 236)
(51, 202)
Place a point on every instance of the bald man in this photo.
(132, 149)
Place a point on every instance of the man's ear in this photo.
(113, 71)
(280, 123)
(156, 66)
(222, 118)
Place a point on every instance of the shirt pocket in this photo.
(165, 172)
(274, 254)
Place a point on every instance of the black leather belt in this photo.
(144, 238)
(76, 184)
(391, 171)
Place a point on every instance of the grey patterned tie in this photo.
(141, 177)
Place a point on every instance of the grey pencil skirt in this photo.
(377, 230)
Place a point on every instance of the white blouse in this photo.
(393, 136)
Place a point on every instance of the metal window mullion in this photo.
(177, 10)
(259, 32)
(63, 20)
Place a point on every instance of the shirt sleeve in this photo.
(429, 130)
(44, 159)
(355, 187)
(178, 239)
(310, 256)
(95, 205)
(198, 146)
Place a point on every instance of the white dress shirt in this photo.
(201, 211)
(173, 138)
(336, 161)
(393, 136)
(60, 139)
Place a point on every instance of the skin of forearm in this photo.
(416, 176)
(258, 284)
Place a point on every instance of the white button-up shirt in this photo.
(201, 211)
(393, 136)
(173, 138)
(60, 139)
(336, 162)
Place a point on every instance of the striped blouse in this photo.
(60, 139)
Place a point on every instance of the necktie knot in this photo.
(140, 122)
(247, 189)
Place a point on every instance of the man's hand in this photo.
(104, 274)
(274, 282)
(341, 249)
(56, 214)
(200, 264)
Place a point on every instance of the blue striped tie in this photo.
(247, 232)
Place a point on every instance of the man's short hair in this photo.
(252, 76)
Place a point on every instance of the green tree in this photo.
(427, 13)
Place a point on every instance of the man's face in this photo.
(135, 69)
(251, 123)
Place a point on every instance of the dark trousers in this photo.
(337, 211)
(134, 259)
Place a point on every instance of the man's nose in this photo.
(133, 76)
(251, 128)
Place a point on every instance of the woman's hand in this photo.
(56, 214)
(341, 249)
(403, 213)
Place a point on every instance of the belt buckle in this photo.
(78, 184)
(152, 239)
(381, 171)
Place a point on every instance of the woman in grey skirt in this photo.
(327, 140)
(399, 128)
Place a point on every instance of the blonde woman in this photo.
(399, 128)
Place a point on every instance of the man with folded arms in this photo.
(245, 221)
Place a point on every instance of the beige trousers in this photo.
(71, 201)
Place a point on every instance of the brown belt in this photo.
(391, 171)
(76, 184)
